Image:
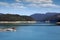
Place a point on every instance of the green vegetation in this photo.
(15, 17)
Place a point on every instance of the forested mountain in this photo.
(15, 17)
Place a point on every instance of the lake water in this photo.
(38, 31)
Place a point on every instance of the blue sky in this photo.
(29, 7)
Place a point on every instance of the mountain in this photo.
(44, 17)
(38, 17)
(15, 17)
(55, 18)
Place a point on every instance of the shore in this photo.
(17, 21)
(58, 23)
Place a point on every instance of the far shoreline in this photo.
(17, 21)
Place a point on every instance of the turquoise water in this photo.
(38, 31)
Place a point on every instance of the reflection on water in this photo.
(38, 31)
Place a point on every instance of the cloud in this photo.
(4, 4)
(40, 3)
(12, 5)
(44, 5)
(17, 0)
(50, 5)
(36, 1)
(17, 5)
(32, 3)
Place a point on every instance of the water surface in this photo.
(38, 31)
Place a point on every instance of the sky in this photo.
(29, 7)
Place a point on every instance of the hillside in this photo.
(15, 17)
(46, 17)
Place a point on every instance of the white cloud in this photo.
(4, 4)
(36, 1)
(44, 5)
(17, 0)
(49, 5)
(12, 5)
(17, 5)
(32, 3)
(39, 1)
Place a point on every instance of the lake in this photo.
(38, 31)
